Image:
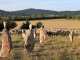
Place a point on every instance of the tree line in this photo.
(36, 14)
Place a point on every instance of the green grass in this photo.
(53, 48)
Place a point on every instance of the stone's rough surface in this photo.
(6, 44)
(71, 36)
(30, 40)
(42, 34)
(4, 23)
(24, 35)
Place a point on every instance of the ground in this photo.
(56, 23)
(53, 48)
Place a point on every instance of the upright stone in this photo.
(71, 36)
(42, 34)
(6, 43)
(30, 42)
(29, 39)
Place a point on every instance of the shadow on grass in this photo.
(18, 46)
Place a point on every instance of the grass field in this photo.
(56, 23)
(53, 48)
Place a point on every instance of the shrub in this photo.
(25, 25)
(33, 26)
(9, 25)
(39, 24)
(1, 26)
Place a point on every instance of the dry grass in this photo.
(53, 48)
(56, 23)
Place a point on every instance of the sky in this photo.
(56, 5)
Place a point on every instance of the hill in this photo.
(36, 11)
(27, 12)
(36, 14)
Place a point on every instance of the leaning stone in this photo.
(6, 44)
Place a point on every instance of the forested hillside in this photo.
(40, 14)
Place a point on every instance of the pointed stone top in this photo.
(30, 26)
(4, 23)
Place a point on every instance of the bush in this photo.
(9, 25)
(39, 24)
(33, 26)
(25, 25)
(1, 26)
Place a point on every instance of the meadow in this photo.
(53, 48)
(55, 23)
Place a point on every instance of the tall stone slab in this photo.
(41, 35)
(6, 44)
(71, 36)
(29, 38)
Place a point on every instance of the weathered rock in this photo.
(71, 36)
(6, 44)
(24, 35)
(42, 34)
(29, 38)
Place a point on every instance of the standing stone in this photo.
(42, 34)
(29, 39)
(71, 36)
(4, 23)
(35, 33)
(6, 44)
(24, 36)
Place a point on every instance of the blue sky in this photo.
(57, 5)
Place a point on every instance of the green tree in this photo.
(39, 24)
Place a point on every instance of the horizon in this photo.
(39, 9)
(56, 5)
